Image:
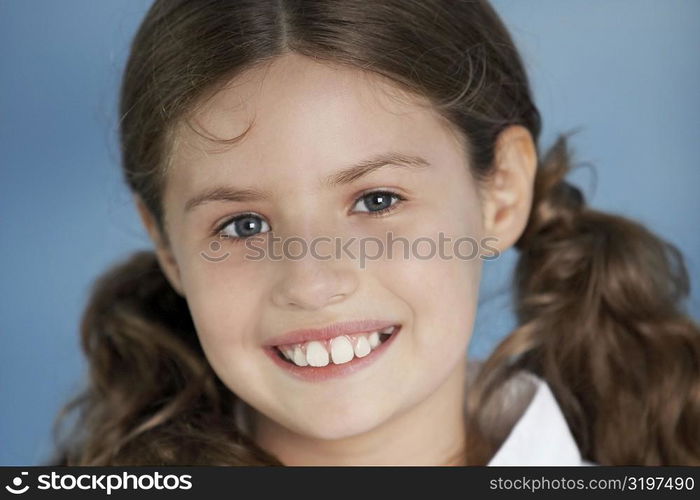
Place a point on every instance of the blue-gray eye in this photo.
(378, 202)
(244, 226)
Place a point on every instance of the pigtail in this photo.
(152, 397)
(599, 304)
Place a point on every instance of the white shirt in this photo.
(541, 435)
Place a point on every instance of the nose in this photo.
(312, 284)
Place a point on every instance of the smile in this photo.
(332, 357)
(339, 350)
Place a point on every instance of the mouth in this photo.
(320, 359)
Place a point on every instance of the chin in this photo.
(331, 425)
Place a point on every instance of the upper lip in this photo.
(328, 332)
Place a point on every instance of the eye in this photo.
(243, 226)
(379, 203)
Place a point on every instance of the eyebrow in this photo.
(342, 177)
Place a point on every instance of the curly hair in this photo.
(599, 297)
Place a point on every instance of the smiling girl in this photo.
(254, 124)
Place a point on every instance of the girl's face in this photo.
(312, 121)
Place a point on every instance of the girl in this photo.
(247, 126)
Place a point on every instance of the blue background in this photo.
(626, 71)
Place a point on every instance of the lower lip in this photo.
(331, 370)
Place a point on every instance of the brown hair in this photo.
(599, 297)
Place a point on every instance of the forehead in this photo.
(304, 117)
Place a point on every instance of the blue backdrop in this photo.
(626, 71)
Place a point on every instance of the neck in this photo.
(430, 433)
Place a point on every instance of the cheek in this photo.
(225, 307)
(440, 284)
(443, 295)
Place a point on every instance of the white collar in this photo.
(541, 435)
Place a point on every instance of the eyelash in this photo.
(378, 213)
(383, 211)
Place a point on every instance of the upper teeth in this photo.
(339, 349)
